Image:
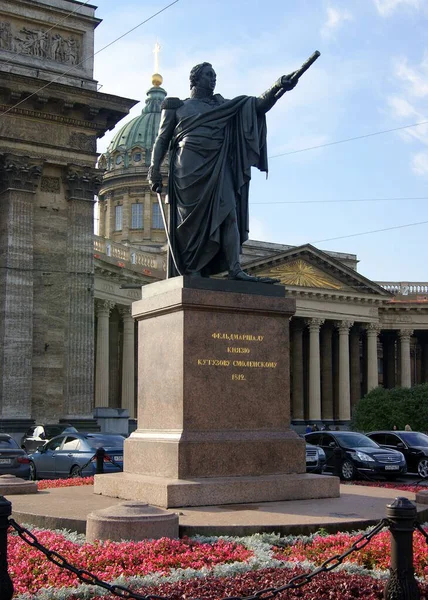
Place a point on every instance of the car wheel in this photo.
(347, 470)
(423, 468)
(75, 471)
(33, 475)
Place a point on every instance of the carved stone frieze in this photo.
(46, 44)
(81, 141)
(19, 172)
(46, 116)
(52, 185)
(82, 184)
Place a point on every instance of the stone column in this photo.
(344, 379)
(19, 180)
(101, 217)
(327, 373)
(103, 308)
(405, 335)
(115, 359)
(128, 359)
(314, 369)
(373, 331)
(296, 363)
(355, 365)
(81, 185)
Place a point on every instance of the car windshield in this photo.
(105, 441)
(8, 443)
(414, 438)
(355, 440)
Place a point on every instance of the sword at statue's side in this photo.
(165, 224)
(295, 76)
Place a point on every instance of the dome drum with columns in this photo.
(128, 210)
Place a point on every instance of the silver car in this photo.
(70, 454)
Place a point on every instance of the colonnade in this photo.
(334, 363)
(115, 359)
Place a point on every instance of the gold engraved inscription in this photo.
(233, 350)
(238, 337)
(237, 364)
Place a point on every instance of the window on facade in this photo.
(157, 222)
(118, 218)
(137, 216)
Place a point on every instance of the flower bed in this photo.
(46, 484)
(206, 568)
(390, 485)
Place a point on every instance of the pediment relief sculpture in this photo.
(298, 272)
(39, 43)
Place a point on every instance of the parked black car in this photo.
(38, 435)
(413, 444)
(349, 454)
(13, 460)
(315, 459)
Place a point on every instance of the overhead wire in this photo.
(342, 201)
(89, 57)
(342, 237)
(351, 139)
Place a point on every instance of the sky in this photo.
(372, 76)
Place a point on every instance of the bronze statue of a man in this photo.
(213, 144)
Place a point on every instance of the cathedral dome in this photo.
(133, 143)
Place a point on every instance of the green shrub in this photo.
(382, 409)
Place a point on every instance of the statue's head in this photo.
(203, 75)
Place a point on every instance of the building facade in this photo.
(51, 115)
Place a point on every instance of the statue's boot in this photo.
(268, 280)
(243, 276)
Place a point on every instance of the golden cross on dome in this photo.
(156, 53)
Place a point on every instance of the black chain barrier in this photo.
(99, 457)
(401, 585)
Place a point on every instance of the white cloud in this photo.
(335, 19)
(420, 163)
(386, 7)
(415, 78)
(408, 106)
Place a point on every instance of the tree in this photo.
(382, 409)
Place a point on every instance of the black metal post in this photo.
(99, 457)
(401, 584)
(6, 585)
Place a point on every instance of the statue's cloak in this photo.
(211, 156)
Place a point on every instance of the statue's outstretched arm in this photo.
(160, 148)
(268, 98)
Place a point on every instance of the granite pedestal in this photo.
(213, 399)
